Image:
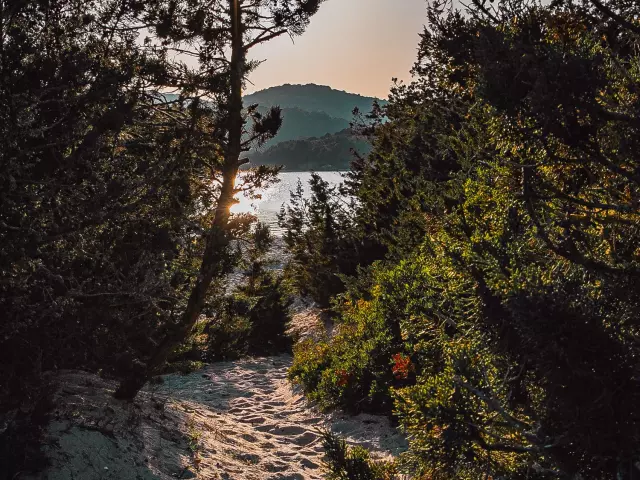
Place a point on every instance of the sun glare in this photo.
(244, 205)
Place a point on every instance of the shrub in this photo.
(253, 319)
(343, 462)
(310, 359)
(356, 368)
(253, 325)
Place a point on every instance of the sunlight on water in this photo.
(267, 207)
(245, 205)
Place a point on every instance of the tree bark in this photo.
(217, 240)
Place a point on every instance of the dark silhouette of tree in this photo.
(118, 164)
(220, 36)
(101, 187)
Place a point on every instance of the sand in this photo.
(230, 420)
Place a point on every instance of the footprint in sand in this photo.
(289, 430)
(253, 420)
(305, 439)
(248, 437)
(276, 467)
(269, 427)
(293, 476)
(281, 453)
(306, 463)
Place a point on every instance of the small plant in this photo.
(344, 462)
(355, 368)
(402, 366)
(194, 435)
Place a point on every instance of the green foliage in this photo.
(502, 324)
(110, 190)
(227, 337)
(100, 197)
(317, 239)
(254, 319)
(344, 462)
(97, 203)
(310, 360)
(354, 369)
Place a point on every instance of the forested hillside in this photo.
(310, 111)
(328, 152)
(298, 124)
(484, 282)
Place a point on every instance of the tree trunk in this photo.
(217, 240)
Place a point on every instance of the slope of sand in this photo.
(231, 420)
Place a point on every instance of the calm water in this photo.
(273, 197)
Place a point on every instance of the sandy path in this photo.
(266, 430)
(231, 421)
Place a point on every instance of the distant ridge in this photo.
(298, 124)
(313, 98)
(332, 151)
(315, 133)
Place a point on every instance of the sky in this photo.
(352, 45)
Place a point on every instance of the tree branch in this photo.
(261, 39)
(614, 16)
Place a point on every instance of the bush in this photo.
(502, 327)
(343, 462)
(253, 325)
(320, 239)
(254, 319)
(227, 333)
(356, 368)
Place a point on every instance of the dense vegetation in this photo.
(481, 262)
(493, 306)
(115, 231)
(326, 153)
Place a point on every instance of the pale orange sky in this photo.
(352, 45)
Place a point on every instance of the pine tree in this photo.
(214, 30)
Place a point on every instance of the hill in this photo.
(298, 124)
(313, 98)
(328, 152)
(310, 111)
(315, 132)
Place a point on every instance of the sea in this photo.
(272, 198)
